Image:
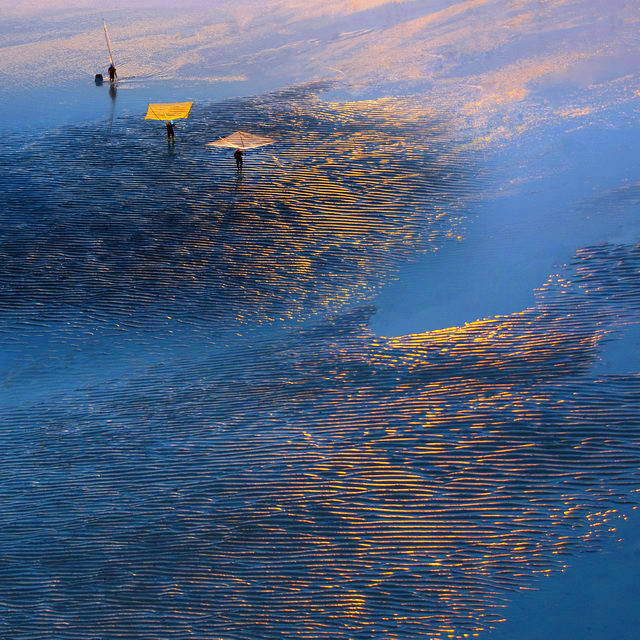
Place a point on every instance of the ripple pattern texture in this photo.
(314, 482)
(111, 222)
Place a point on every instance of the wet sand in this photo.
(372, 387)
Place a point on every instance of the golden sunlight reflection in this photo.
(358, 187)
(310, 479)
(351, 485)
(460, 468)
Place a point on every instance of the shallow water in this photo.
(111, 222)
(349, 485)
(229, 409)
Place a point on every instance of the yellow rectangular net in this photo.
(168, 110)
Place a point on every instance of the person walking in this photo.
(237, 154)
(171, 131)
(112, 73)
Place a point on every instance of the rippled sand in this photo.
(202, 437)
(112, 222)
(331, 484)
(348, 484)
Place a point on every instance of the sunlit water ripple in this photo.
(110, 223)
(322, 482)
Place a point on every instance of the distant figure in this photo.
(112, 73)
(237, 154)
(171, 131)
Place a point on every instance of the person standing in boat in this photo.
(112, 73)
(237, 154)
(171, 131)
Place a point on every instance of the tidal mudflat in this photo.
(377, 384)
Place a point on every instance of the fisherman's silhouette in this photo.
(171, 131)
(112, 73)
(237, 154)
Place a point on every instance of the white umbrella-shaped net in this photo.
(242, 140)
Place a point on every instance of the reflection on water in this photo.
(113, 94)
(113, 228)
(328, 485)
(316, 483)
